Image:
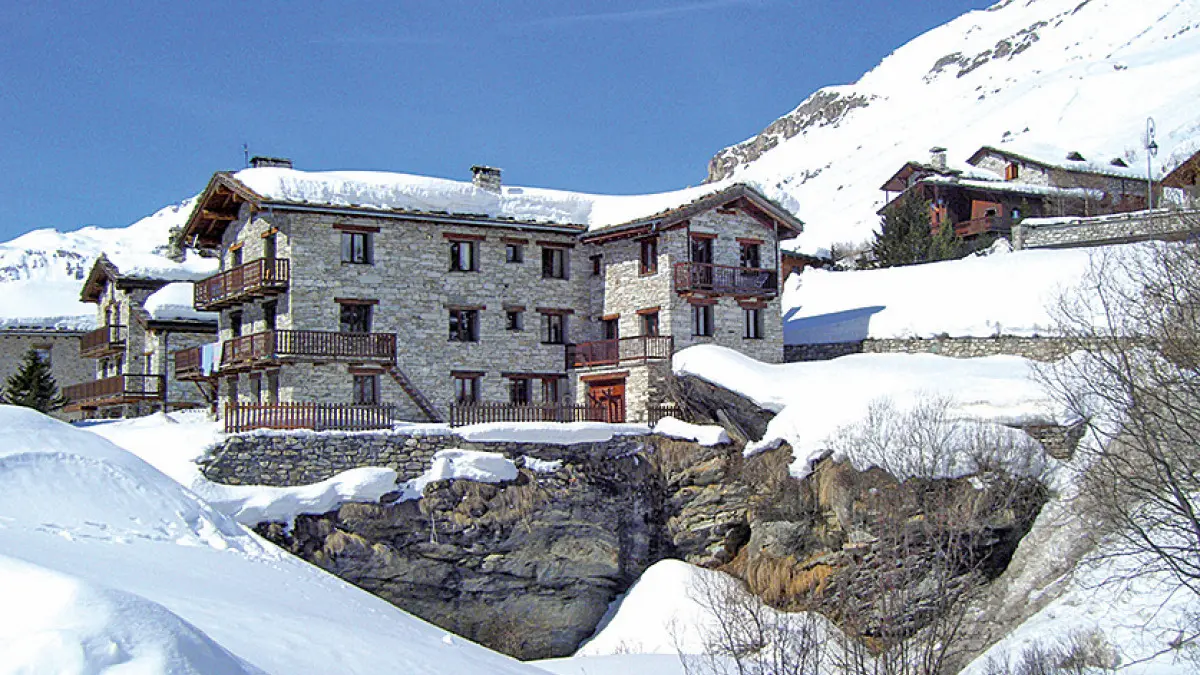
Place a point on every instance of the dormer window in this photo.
(1012, 171)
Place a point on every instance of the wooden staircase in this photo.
(414, 393)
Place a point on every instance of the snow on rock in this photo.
(1003, 293)
(557, 433)
(817, 400)
(615, 664)
(702, 434)
(253, 504)
(175, 301)
(455, 464)
(541, 465)
(115, 563)
(399, 191)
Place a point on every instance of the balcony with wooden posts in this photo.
(255, 279)
(116, 390)
(977, 226)
(189, 365)
(624, 350)
(692, 277)
(269, 348)
(102, 342)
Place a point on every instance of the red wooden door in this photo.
(609, 396)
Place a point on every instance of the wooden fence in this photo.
(316, 416)
(481, 413)
(655, 413)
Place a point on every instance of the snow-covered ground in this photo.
(1004, 293)
(108, 565)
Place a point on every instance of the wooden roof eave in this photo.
(212, 214)
(102, 273)
(1185, 175)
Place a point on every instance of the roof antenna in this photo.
(246, 154)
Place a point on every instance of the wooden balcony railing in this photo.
(978, 226)
(241, 417)
(189, 364)
(114, 390)
(102, 342)
(257, 278)
(482, 413)
(691, 276)
(612, 352)
(267, 347)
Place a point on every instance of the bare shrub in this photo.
(1080, 653)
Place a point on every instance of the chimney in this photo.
(486, 178)
(279, 162)
(937, 157)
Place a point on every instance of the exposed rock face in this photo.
(826, 107)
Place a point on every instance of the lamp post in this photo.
(1151, 152)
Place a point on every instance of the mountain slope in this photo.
(1036, 77)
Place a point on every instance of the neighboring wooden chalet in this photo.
(1186, 177)
(1000, 188)
(140, 327)
(443, 303)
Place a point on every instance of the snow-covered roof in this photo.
(174, 302)
(1050, 156)
(1014, 187)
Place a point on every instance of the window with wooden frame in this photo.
(231, 388)
(355, 316)
(648, 258)
(357, 247)
(551, 389)
(611, 327)
(554, 262)
(464, 325)
(519, 390)
(514, 319)
(464, 255)
(514, 252)
(235, 324)
(256, 388)
(235, 255)
(702, 247)
(1012, 171)
(270, 314)
(597, 265)
(366, 389)
(702, 320)
(649, 321)
(272, 388)
(752, 318)
(466, 387)
(750, 255)
(554, 329)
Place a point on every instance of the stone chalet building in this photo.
(343, 293)
(998, 188)
(141, 326)
(56, 344)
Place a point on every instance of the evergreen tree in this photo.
(945, 245)
(906, 237)
(33, 386)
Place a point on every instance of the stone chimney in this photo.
(486, 177)
(937, 157)
(280, 162)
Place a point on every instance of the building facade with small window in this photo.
(59, 346)
(478, 303)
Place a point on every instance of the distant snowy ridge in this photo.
(1040, 78)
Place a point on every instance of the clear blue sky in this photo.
(112, 110)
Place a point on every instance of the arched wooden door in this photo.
(609, 396)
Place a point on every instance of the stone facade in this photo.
(61, 346)
(1036, 348)
(1164, 224)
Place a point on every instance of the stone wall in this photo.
(1114, 229)
(66, 365)
(282, 458)
(1036, 348)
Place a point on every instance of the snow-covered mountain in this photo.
(41, 272)
(1040, 78)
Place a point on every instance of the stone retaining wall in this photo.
(1112, 229)
(1036, 348)
(299, 458)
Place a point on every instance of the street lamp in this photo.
(1151, 152)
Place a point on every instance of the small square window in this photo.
(554, 263)
(464, 256)
(514, 253)
(514, 320)
(366, 389)
(356, 248)
(750, 256)
(702, 320)
(464, 325)
(354, 318)
(42, 354)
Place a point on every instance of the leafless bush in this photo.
(1080, 653)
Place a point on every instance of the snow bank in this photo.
(174, 301)
(253, 504)
(819, 399)
(454, 464)
(105, 561)
(399, 191)
(556, 433)
(702, 434)
(1005, 293)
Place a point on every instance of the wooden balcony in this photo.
(114, 390)
(624, 350)
(256, 279)
(977, 226)
(189, 365)
(102, 342)
(241, 417)
(271, 347)
(462, 414)
(693, 277)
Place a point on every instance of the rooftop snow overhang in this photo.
(740, 195)
(899, 180)
(104, 272)
(976, 189)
